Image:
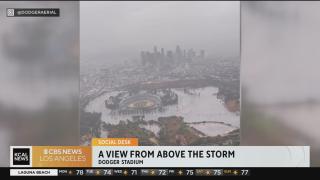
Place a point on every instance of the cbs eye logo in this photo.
(21, 156)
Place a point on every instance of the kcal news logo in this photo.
(20, 156)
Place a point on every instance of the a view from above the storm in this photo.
(167, 73)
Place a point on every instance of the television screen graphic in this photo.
(159, 88)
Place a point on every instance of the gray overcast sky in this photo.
(113, 31)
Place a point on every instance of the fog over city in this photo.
(117, 31)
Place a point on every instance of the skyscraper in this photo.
(202, 54)
(155, 50)
(162, 52)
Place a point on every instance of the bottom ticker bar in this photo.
(170, 171)
(130, 172)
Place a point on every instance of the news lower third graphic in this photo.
(126, 152)
(33, 12)
(124, 157)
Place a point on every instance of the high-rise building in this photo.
(155, 50)
(202, 54)
(160, 58)
(169, 54)
(162, 52)
(178, 50)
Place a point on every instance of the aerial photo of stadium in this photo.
(171, 89)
